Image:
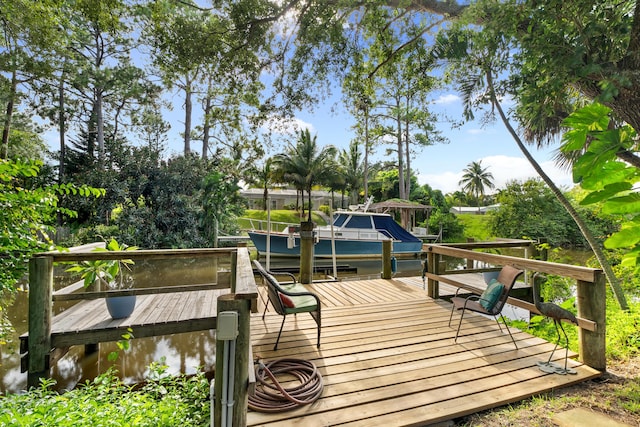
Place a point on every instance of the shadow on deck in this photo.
(387, 357)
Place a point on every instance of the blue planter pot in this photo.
(121, 307)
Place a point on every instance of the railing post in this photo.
(238, 417)
(234, 275)
(40, 310)
(306, 252)
(386, 259)
(470, 261)
(432, 267)
(592, 304)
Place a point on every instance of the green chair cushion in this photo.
(491, 295)
(300, 303)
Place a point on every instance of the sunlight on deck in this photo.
(388, 357)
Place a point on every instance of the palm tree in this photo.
(264, 176)
(352, 166)
(305, 165)
(476, 179)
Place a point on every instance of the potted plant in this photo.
(110, 274)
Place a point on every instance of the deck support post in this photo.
(229, 302)
(232, 269)
(592, 304)
(386, 259)
(306, 252)
(433, 261)
(40, 311)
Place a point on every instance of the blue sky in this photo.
(441, 166)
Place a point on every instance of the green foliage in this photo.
(476, 180)
(606, 178)
(107, 272)
(306, 164)
(164, 401)
(27, 215)
(174, 205)
(221, 203)
(123, 345)
(531, 209)
(623, 330)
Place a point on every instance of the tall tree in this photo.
(202, 52)
(475, 180)
(29, 31)
(478, 59)
(306, 163)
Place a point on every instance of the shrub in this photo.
(164, 401)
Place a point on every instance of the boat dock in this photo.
(387, 357)
(387, 354)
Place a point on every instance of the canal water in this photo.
(181, 353)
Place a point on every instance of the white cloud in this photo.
(283, 126)
(503, 169)
(476, 131)
(449, 98)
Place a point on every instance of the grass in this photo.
(277, 216)
(476, 226)
(616, 394)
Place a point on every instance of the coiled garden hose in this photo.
(271, 396)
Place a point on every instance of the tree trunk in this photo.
(265, 196)
(407, 154)
(586, 232)
(100, 128)
(61, 128)
(309, 207)
(207, 124)
(366, 153)
(400, 159)
(8, 114)
(187, 118)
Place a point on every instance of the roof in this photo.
(399, 204)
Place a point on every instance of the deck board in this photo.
(387, 357)
(157, 314)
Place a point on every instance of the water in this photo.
(182, 353)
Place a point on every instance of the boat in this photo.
(352, 233)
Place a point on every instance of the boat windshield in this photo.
(357, 221)
(339, 220)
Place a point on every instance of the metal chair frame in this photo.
(508, 275)
(274, 289)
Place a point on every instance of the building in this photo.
(284, 198)
(473, 209)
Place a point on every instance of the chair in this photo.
(481, 303)
(289, 299)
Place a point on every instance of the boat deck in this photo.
(387, 357)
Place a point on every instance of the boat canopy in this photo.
(382, 223)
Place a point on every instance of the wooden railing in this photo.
(590, 289)
(242, 290)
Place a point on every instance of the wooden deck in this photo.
(388, 358)
(89, 322)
